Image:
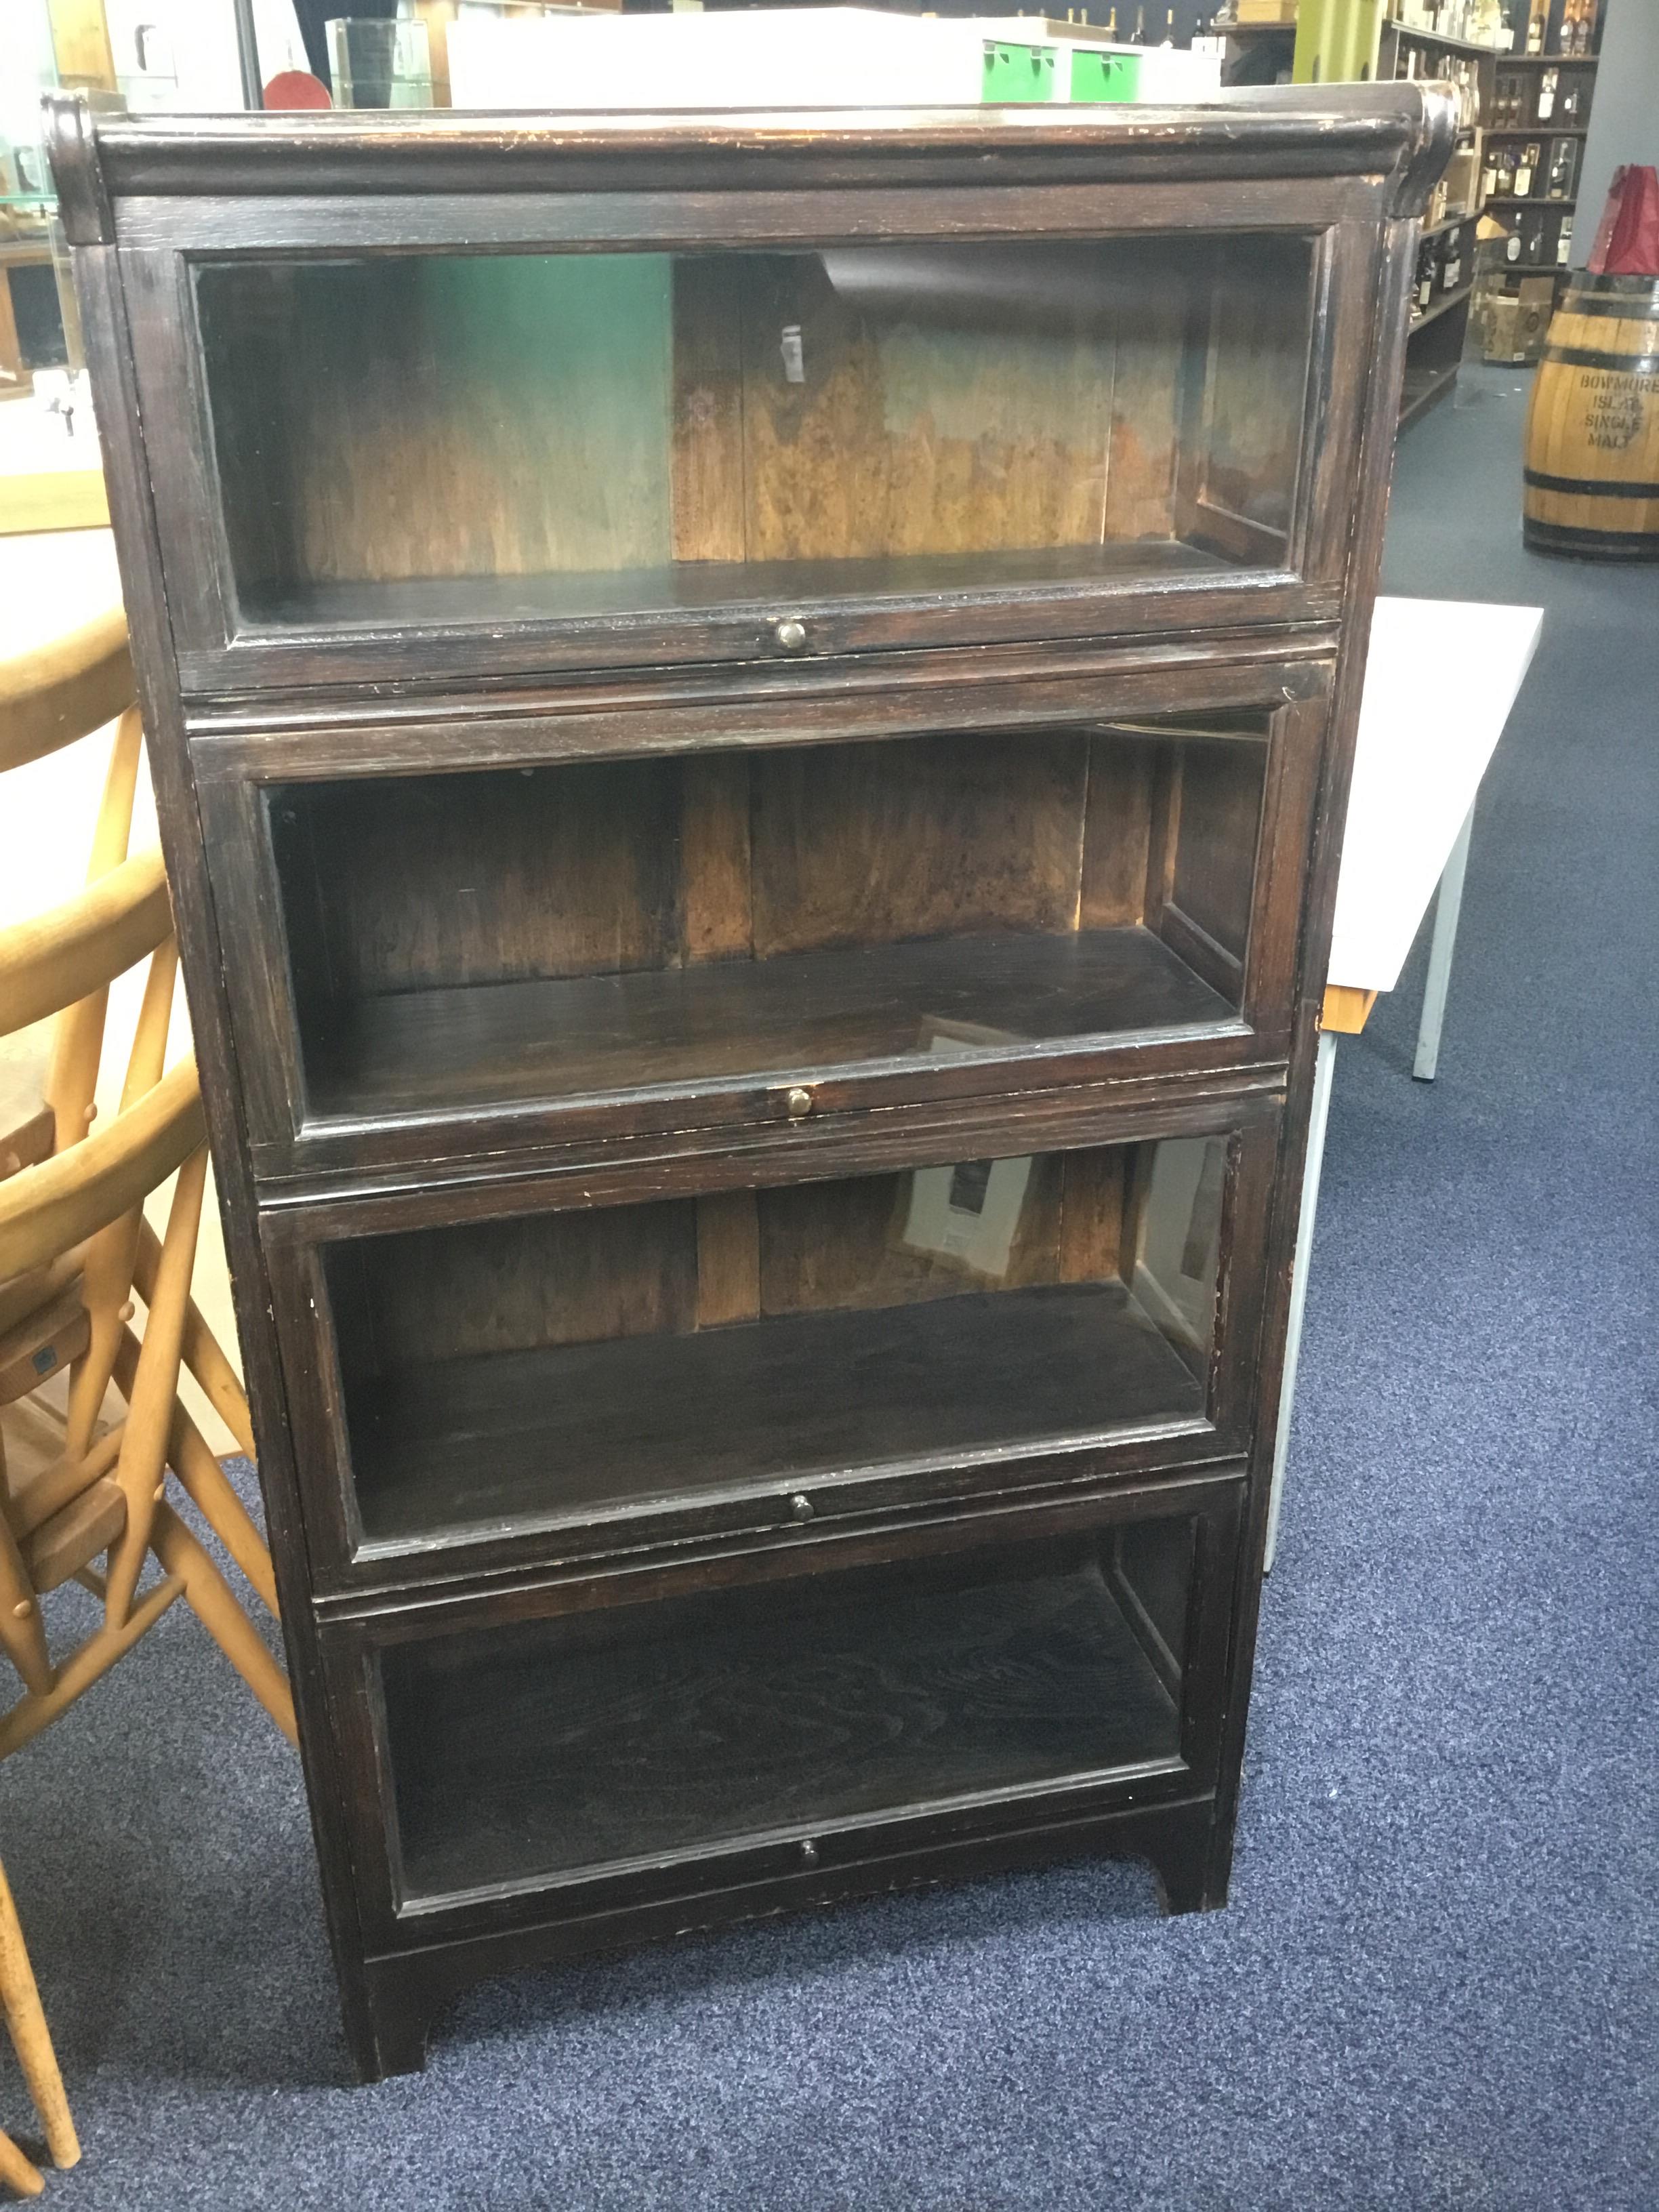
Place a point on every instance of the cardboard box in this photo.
(1514, 325)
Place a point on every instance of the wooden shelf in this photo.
(495, 1044)
(1543, 61)
(1450, 222)
(1441, 307)
(515, 1440)
(553, 1746)
(1447, 46)
(1527, 200)
(1537, 130)
(700, 586)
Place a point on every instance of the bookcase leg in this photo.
(389, 2034)
(1181, 1863)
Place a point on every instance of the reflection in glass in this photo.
(464, 940)
(512, 1372)
(646, 1731)
(466, 438)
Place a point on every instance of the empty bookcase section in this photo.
(471, 440)
(501, 1376)
(630, 1736)
(459, 944)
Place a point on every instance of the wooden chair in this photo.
(20, 2002)
(75, 1248)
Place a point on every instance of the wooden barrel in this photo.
(1592, 469)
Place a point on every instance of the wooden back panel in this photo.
(469, 415)
(423, 883)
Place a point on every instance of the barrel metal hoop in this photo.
(1618, 287)
(1590, 544)
(1618, 311)
(1622, 364)
(1589, 487)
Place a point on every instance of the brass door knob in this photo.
(791, 634)
(798, 1104)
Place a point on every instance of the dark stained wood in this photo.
(1165, 1826)
(553, 1748)
(427, 1051)
(728, 1258)
(1116, 833)
(547, 1280)
(716, 889)
(427, 608)
(780, 582)
(1403, 133)
(1092, 1196)
(466, 1445)
(572, 873)
(1213, 880)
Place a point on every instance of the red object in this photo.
(299, 88)
(1627, 238)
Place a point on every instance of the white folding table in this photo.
(1441, 679)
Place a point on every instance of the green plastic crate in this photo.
(1097, 77)
(1017, 73)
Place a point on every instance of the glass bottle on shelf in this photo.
(1535, 28)
(1505, 185)
(1526, 171)
(1548, 80)
(1451, 268)
(1489, 173)
(1425, 280)
(1564, 241)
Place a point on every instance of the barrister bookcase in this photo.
(751, 716)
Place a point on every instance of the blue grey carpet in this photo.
(1436, 1984)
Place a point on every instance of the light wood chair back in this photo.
(74, 1248)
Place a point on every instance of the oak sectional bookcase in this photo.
(752, 716)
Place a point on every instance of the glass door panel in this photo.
(468, 942)
(508, 1375)
(600, 1740)
(423, 440)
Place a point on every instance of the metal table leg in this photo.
(1447, 904)
(1324, 1069)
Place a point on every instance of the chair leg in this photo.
(113, 1253)
(23, 1633)
(211, 1598)
(26, 1719)
(30, 2036)
(17, 2172)
(208, 1485)
(78, 1039)
(203, 1355)
(155, 1390)
(107, 1293)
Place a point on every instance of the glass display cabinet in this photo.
(751, 716)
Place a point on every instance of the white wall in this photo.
(47, 810)
(1624, 125)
